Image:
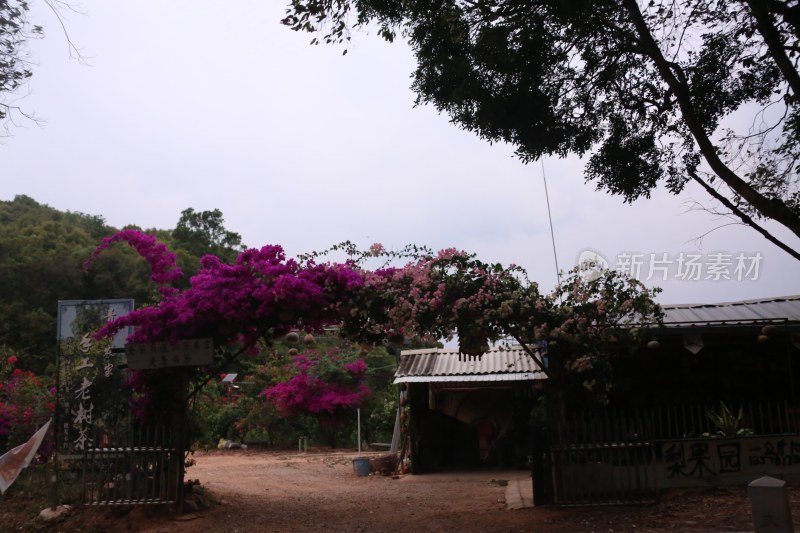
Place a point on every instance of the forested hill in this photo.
(41, 262)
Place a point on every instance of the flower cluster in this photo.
(26, 403)
(593, 321)
(261, 295)
(163, 267)
(376, 249)
(264, 295)
(443, 295)
(323, 385)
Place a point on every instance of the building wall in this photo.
(722, 461)
(603, 473)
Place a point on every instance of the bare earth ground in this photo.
(288, 492)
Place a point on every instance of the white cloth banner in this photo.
(12, 462)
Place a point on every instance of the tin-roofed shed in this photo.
(467, 411)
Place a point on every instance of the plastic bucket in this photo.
(361, 466)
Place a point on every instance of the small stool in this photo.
(302, 444)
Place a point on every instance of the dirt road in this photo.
(309, 492)
(267, 491)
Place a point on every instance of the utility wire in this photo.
(550, 218)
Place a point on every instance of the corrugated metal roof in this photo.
(513, 364)
(742, 312)
(445, 365)
(525, 376)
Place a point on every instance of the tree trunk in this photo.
(768, 207)
(766, 27)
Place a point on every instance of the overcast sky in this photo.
(216, 105)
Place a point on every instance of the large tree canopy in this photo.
(203, 232)
(656, 92)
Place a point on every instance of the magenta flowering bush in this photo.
(262, 295)
(326, 386)
(322, 384)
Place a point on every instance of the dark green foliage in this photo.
(378, 413)
(201, 233)
(14, 31)
(627, 163)
(41, 262)
(41, 255)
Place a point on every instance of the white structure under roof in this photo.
(441, 365)
(778, 309)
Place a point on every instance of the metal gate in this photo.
(140, 466)
(604, 460)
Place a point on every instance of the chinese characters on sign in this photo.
(86, 369)
(719, 457)
(188, 352)
(82, 414)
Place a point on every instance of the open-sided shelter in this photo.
(463, 411)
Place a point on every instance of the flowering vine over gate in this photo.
(263, 295)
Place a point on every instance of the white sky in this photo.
(216, 105)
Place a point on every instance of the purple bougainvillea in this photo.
(263, 296)
(163, 267)
(322, 385)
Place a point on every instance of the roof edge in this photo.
(789, 298)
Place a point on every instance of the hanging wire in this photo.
(550, 218)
